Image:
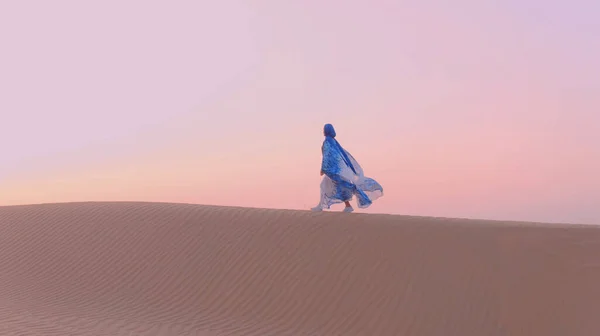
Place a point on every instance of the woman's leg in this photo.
(349, 207)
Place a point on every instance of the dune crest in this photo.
(127, 268)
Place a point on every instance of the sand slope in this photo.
(176, 269)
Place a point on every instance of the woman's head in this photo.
(329, 131)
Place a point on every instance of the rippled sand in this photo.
(176, 269)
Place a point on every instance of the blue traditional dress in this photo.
(344, 178)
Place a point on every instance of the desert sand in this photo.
(179, 269)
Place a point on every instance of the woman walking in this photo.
(343, 177)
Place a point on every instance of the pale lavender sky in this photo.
(486, 109)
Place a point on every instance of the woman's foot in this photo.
(317, 208)
(349, 207)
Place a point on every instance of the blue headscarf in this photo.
(330, 134)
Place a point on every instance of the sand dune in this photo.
(176, 269)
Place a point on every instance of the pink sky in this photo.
(481, 109)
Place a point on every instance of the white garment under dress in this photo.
(327, 190)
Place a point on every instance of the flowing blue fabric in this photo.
(346, 174)
(330, 134)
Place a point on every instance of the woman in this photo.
(344, 178)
